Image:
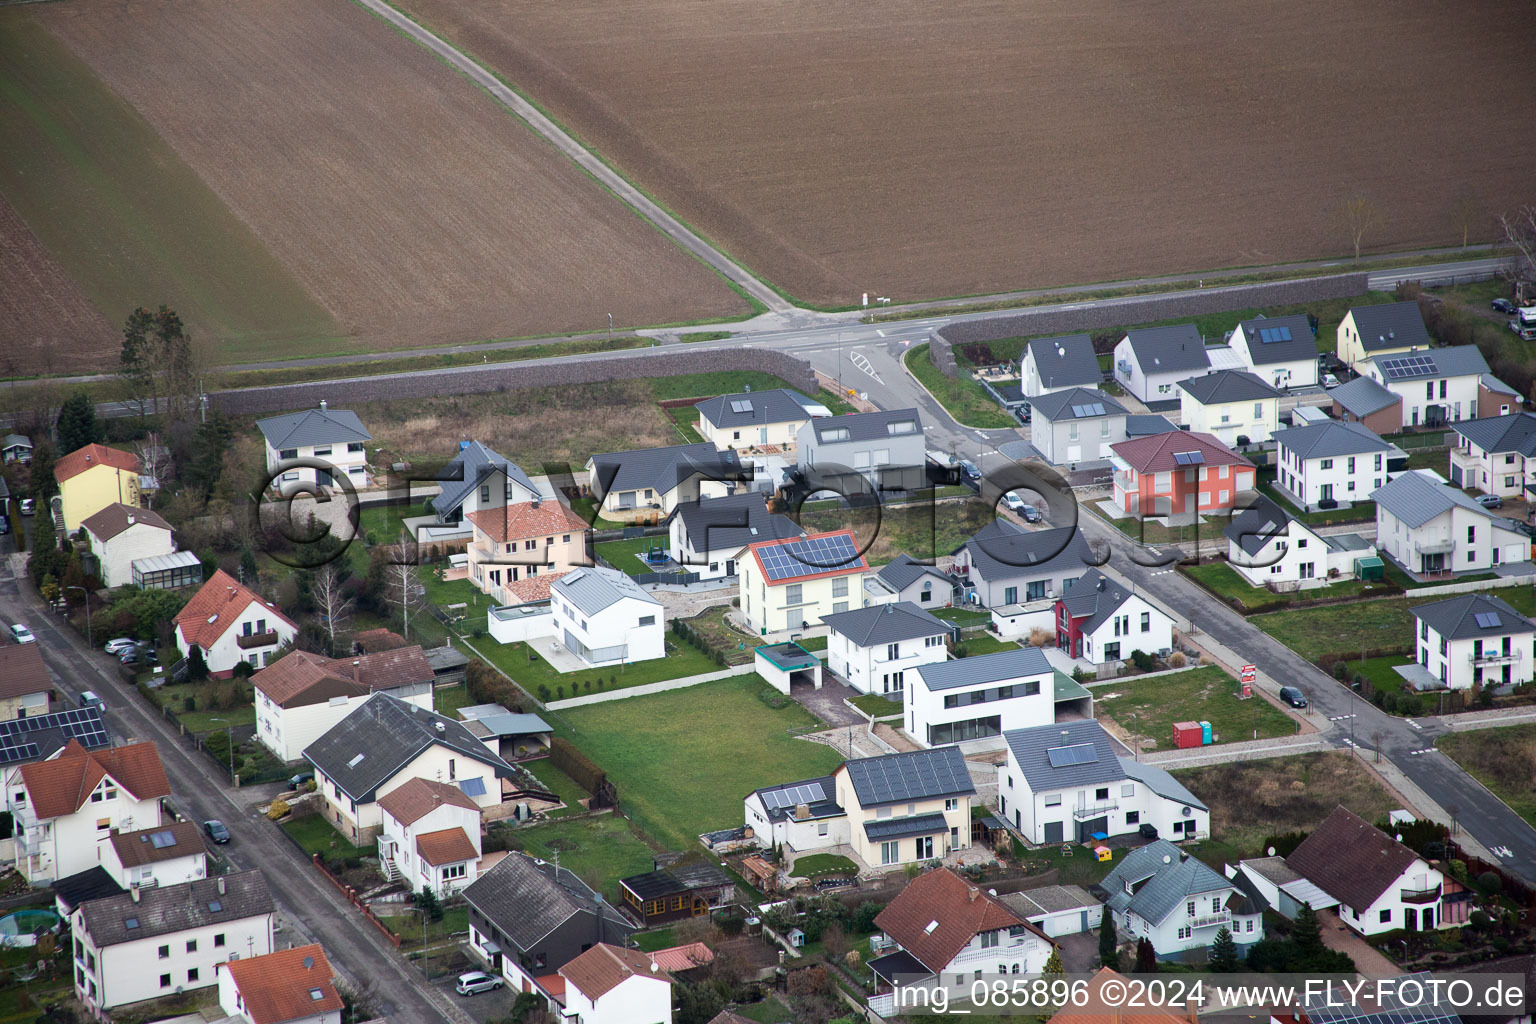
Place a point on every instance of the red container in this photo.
(1187, 734)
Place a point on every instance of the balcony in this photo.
(247, 641)
(1209, 920)
(1443, 546)
(1430, 895)
(1494, 657)
(1087, 811)
(1470, 465)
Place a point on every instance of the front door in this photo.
(323, 478)
(1327, 491)
(762, 435)
(730, 567)
(923, 848)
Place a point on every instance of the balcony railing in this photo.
(1493, 657)
(1429, 895)
(246, 641)
(1087, 811)
(1208, 920)
(1436, 547)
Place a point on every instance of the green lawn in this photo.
(963, 398)
(685, 417)
(448, 699)
(877, 705)
(385, 522)
(922, 529)
(1359, 512)
(1226, 581)
(1149, 707)
(1148, 531)
(587, 509)
(316, 835)
(558, 783)
(202, 719)
(1381, 624)
(1500, 759)
(408, 925)
(531, 671)
(660, 749)
(983, 642)
(824, 864)
(963, 617)
(813, 643)
(721, 635)
(625, 555)
(444, 593)
(600, 850)
(766, 1011)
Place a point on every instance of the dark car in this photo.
(970, 469)
(139, 656)
(1292, 696)
(216, 831)
(1503, 305)
(1148, 831)
(1031, 514)
(298, 781)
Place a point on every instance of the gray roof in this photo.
(527, 899)
(507, 724)
(1457, 361)
(1032, 750)
(1416, 499)
(371, 745)
(1457, 618)
(1332, 438)
(1003, 550)
(445, 658)
(167, 909)
(594, 588)
(1258, 524)
(1273, 869)
(1227, 386)
(755, 408)
(312, 427)
(1363, 396)
(1147, 425)
(1096, 596)
(1048, 899)
(1075, 404)
(1390, 325)
(661, 469)
(17, 441)
(1302, 344)
(818, 794)
(1169, 349)
(1160, 782)
(985, 668)
(885, 624)
(899, 828)
(1160, 888)
(909, 776)
(868, 426)
(1497, 386)
(467, 470)
(904, 570)
(1498, 435)
(1066, 360)
(732, 522)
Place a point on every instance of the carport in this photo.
(783, 665)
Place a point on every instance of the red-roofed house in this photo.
(1178, 472)
(523, 540)
(947, 928)
(64, 806)
(787, 584)
(431, 835)
(290, 986)
(93, 477)
(609, 985)
(301, 697)
(231, 623)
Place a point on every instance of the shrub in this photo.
(1177, 660)
(544, 693)
(278, 809)
(1490, 883)
(582, 770)
(1340, 670)
(244, 670)
(864, 916)
(188, 704)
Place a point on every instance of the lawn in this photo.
(385, 522)
(923, 529)
(1252, 800)
(877, 705)
(448, 699)
(982, 642)
(316, 835)
(1227, 582)
(818, 864)
(558, 783)
(963, 617)
(625, 555)
(600, 850)
(1149, 707)
(765, 1011)
(444, 593)
(205, 718)
(536, 675)
(1149, 531)
(1359, 512)
(685, 417)
(713, 627)
(1503, 759)
(1380, 624)
(963, 398)
(408, 925)
(660, 749)
(587, 509)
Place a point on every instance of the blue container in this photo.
(1205, 733)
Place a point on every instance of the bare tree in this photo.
(1520, 235)
(1376, 742)
(1464, 214)
(154, 460)
(403, 584)
(332, 606)
(1358, 216)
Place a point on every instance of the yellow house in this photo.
(93, 477)
(791, 584)
(907, 808)
(1370, 331)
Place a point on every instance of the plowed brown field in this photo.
(913, 148)
(412, 206)
(49, 325)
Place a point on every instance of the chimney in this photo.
(322, 405)
(440, 727)
(221, 885)
(133, 890)
(971, 896)
(130, 518)
(802, 811)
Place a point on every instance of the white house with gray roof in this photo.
(478, 478)
(1496, 455)
(1102, 620)
(1150, 363)
(1006, 565)
(1331, 461)
(1428, 527)
(904, 578)
(1383, 329)
(1230, 404)
(752, 419)
(1282, 350)
(1161, 893)
(1437, 385)
(982, 697)
(1062, 783)
(605, 618)
(1076, 425)
(335, 437)
(1056, 909)
(887, 449)
(1056, 364)
(710, 536)
(800, 816)
(659, 479)
(1474, 640)
(875, 648)
(1270, 548)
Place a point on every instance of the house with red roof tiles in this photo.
(523, 541)
(93, 477)
(431, 836)
(289, 986)
(232, 623)
(299, 698)
(610, 985)
(1178, 473)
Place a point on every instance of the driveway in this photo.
(827, 702)
(1367, 959)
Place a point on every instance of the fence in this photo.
(351, 896)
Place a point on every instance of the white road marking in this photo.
(1341, 718)
(1426, 750)
(1413, 724)
(881, 333)
(1501, 852)
(861, 361)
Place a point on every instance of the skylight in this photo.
(356, 761)
(931, 926)
(131, 923)
(214, 906)
(316, 994)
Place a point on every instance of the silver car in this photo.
(475, 982)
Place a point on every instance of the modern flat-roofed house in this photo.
(1102, 620)
(1438, 385)
(1056, 364)
(232, 623)
(1497, 455)
(1075, 425)
(1366, 402)
(1063, 782)
(478, 478)
(1230, 404)
(1150, 363)
(1008, 565)
(873, 648)
(1380, 884)
(1331, 461)
(124, 536)
(787, 584)
(521, 541)
(90, 479)
(800, 816)
(608, 984)
(289, 986)
(1386, 329)
(651, 482)
(1429, 527)
(1474, 640)
(710, 536)
(332, 436)
(887, 450)
(1179, 473)
(1282, 350)
(300, 697)
(980, 697)
(1270, 548)
(753, 419)
(26, 689)
(1161, 893)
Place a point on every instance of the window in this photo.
(165, 981)
(1101, 793)
(192, 975)
(989, 939)
(1103, 432)
(218, 941)
(839, 606)
(1146, 621)
(165, 952)
(1378, 463)
(1010, 595)
(952, 804)
(288, 453)
(1185, 931)
(933, 641)
(453, 871)
(1350, 465)
(889, 853)
(322, 450)
(647, 620)
(191, 945)
(485, 494)
(1190, 906)
(1258, 410)
(821, 828)
(1128, 789)
(1471, 535)
(1249, 926)
(792, 593)
(1072, 432)
(840, 587)
(677, 903)
(1326, 464)
(1053, 800)
(1132, 817)
(1386, 915)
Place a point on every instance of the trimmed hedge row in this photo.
(581, 768)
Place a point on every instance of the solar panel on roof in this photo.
(1407, 366)
(161, 840)
(741, 405)
(1077, 753)
(808, 557)
(1268, 335)
(1189, 458)
(1089, 409)
(1488, 620)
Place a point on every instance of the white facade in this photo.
(1288, 373)
(1344, 478)
(988, 952)
(1137, 625)
(1147, 384)
(626, 631)
(635, 1000)
(57, 847)
(398, 842)
(1457, 540)
(170, 871)
(287, 731)
(117, 555)
(348, 460)
(936, 715)
(1455, 395)
(797, 834)
(1297, 557)
(223, 654)
(1487, 661)
(695, 554)
(1185, 933)
(438, 763)
(1255, 419)
(1390, 911)
(1118, 807)
(882, 668)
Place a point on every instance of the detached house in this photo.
(231, 624)
(1179, 473)
(1161, 893)
(980, 697)
(161, 855)
(873, 648)
(651, 482)
(1386, 329)
(431, 836)
(1331, 462)
(90, 479)
(1076, 425)
(754, 419)
(335, 438)
(154, 943)
(289, 986)
(63, 808)
(1365, 401)
(1101, 620)
(1062, 783)
(26, 689)
(611, 985)
(885, 449)
(904, 578)
(385, 744)
(16, 448)
(1428, 527)
(908, 807)
(605, 618)
(1003, 564)
(1150, 363)
(520, 541)
(300, 698)
(800, 817)
(950, 931)
(681, 890)
(126, 539)
(477, 478)
(1474, 640)
(1233, 406)
(710, 536)
(1282, 350)
(1438, 385)
(1497, 456)
(1057, 364)
(1380, 884)
(1269, 548)
(786, 584)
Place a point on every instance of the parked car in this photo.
(1031, 514)
(1292, 696)
(1489, 500)
(140, 655)
(1014, 503)
(1503, 305)
(28, 506)
(216, 831)
(120, 645)
(1330, 381)
(88, 699)
(5, 525)
(475, 982)
(298, 781)
(970, 469)
(22, 635)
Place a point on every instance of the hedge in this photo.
(577, 765)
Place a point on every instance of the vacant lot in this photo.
(1504, 760)
(1147, 708)
(925, 530)
(410, 205)
(1370, 625)
(946, 149)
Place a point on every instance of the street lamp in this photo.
(89, 637)
(229, 731)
